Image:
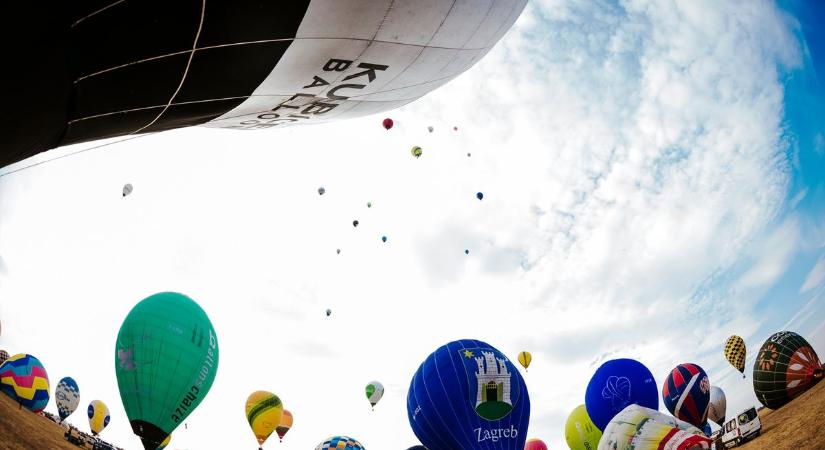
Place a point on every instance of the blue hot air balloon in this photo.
(616, 384)
(479, 195)
(686, 394)
(467, 395)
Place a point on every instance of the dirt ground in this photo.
(797, 425)
(21, 429)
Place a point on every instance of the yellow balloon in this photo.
(735, 352)
(524, 359)
(98, 416)
(580, 432)
(264, 411)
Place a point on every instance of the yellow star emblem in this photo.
(468, 354)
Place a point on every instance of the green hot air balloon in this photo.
(166, 358)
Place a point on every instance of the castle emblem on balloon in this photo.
(494, 395)
(617, 390)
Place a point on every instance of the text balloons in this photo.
(686, 393)
(264, 411)
(785, 367)
(718, 405)
(291, 63)
(166, 357)
(616, 384)
(467, 395)
(67, 397)
(24, 379)
(580, 432)
(643, 428)
(99, 417)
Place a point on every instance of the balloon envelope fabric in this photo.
(640, 428)
(166, 358)
(617, 384)
(466, 396)
(67, 397)
(785, 367)
(24, 379)
(340, 443)
(686, 394)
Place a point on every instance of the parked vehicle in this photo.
(742, 428)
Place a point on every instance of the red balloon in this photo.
(387, 123)
(535, 444)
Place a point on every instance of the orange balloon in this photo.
(285, 425)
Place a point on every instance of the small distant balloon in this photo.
(67, 397)
(416, 151)
(329, 312)
(455, 128)
(524, 358)
(338, 251)
(99, 417)
(466, 252)
(355, 223)
(535, 444)
(383, 239)
(468, 154)
(430, 128)
(369, 204)
(388, 123)
(735, 352)
(127, 189)
(285, 425)
(4, 355)
(321, 190)
(374, 390)
(479, 195)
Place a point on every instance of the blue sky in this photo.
(654, 180)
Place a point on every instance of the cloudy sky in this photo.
(654, 181)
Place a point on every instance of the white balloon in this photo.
(718, 405)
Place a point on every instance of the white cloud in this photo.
(815, 277)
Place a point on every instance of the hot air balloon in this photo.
(98, 414)
(264, 411)
(718, 405)
(479, 195)
(466, 251)
(4, 355)
(354, 223)
(535, 444)
(785, 367)
(580, 432)
(524, 358)
(467, 395)
(369, 204)
(340, 443)
(166, 357)
(383, 239)
(127, 189)
(165, 442)
(430, 128)
(616, 384)
(67, 397)
(24, 379)
(735, 353)
(375, 390)
(416, 151)
(285, 425)
(321, 190)
(686, 393)
(455, 128)
(641, 428)
(257, 65)
(329, 312)
(387, 123)
(469, 154)
(338, 251)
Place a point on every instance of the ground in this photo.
(21, 429)
(796, 425)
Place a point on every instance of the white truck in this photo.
(742, 428)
